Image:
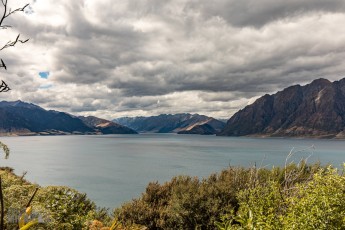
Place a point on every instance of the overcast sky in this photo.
(113, 58)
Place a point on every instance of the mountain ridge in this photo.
(22, 118)
(169, 123)
(313, 110)
(105, 126)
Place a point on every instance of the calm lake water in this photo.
(113, 169)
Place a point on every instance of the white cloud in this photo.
(115, 58)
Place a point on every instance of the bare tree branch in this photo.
(4, 87)
(5, 11)
(8, 12)
(4, 27)
(32, 197)
(13, 43)
(3, 65)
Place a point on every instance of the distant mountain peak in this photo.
(169, 123)
(19, 103)
(105, 126)
(321, 81)
(21, 118)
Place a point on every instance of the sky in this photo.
(114, 58)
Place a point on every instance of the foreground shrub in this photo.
(317, 203)
(64, 207)
(294, 197)
(190, 203)
(55, 207)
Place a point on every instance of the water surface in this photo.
(113, 169)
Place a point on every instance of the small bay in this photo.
(113, 169)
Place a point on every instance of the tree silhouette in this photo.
(7, 12)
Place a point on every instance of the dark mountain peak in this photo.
(19, 104)
(341, 82)
(21, 118)
(320, 81)
(316, 109)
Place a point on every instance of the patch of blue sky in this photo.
(46, 86)
(44, 75)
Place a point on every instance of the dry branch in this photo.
(8, 12)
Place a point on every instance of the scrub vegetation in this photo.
(296, 196)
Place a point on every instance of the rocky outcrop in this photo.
(313, 110)
(204, 129)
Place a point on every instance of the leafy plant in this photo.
(317, 202)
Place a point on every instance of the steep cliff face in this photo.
(316, 109)
(170, 123)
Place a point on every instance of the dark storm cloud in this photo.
(95, 52)
(258, 13)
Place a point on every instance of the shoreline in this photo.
(76, 133)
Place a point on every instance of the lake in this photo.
(113, 169)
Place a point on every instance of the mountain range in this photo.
(21, 118)
(183, 123)
(314, 110)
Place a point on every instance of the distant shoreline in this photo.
(75, 133)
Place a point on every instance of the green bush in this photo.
(64, 207)
(293, 197)
(56, 207)
(317, 202)
(190, 203)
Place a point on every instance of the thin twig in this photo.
(13, 43)
(6, 14)
(4, 88)
(16, 10)
(22, 177)
(288, 177)
(32, 197)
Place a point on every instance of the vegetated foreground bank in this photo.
(293, 197)
(55, 207)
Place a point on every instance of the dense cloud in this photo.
(128, 58)
(259, 13)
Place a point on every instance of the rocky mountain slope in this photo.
(105, 126)
(313, 110)
(169, 123)
(21, 118)
(204, 129)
